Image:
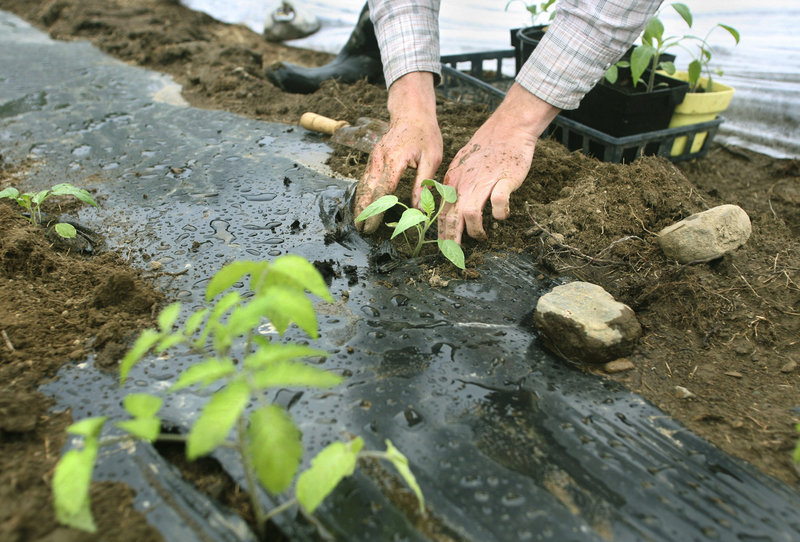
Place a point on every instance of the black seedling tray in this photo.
(457, 85)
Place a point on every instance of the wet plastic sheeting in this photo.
(507, 442)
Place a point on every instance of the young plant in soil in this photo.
(421, 220)
(32, 203)
(243, 364)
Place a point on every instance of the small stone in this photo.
(683, 393)
(618, 366)
(156, 265)
(789, 366)
(706, 236)
(582, 322)
(77, 354)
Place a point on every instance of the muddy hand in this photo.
(412, 141)
(494, 163)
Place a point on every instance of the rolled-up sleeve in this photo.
(408, 36)
(585, 38)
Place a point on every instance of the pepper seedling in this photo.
(32, 202)
(420, 219)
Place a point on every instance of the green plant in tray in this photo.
(420, 220)
(654, 44)
(242, 364)
(32, 203)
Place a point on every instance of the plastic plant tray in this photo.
(460, 86)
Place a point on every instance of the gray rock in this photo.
(582, 322)
(707, 235)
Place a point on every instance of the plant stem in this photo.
(252, 488)
(278, 509)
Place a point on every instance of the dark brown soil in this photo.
(727, 331)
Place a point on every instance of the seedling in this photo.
(421, 220)
(266, 438)
(32, 203)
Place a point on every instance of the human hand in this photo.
(494, 163)
(413, 140)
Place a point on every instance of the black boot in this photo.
(360, 57)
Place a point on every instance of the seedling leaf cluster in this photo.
(420, 219)
(654, 44)
(32, 203)
(266, 438)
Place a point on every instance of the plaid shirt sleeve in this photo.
(585, 38)
(408, 36)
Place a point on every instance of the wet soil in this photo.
(727, 332)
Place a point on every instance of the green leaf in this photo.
(668, 67)
(448, 193)
(217, 419)
(640, 61)
(377, 207)
(168, 342)
(400, 463)
(426, 201)
(285, 374)
(284, 306)
(273, 353)
(231, 274)
(206, 372)
(452, 251)
(147, 339)
(168, 315)
(275, 447)
(732, 31)
(142, 405)
(293, 269)
(65, 230)
(409, 219)
(10, 192)
(333, 463)
(612, 74)
(71, 480)
(220, 308)
(88, 427)
(653, 31)
(40, 197)
(66, 189)
(684, 11)
(796, 454)
(694, 71)
(194, 321)
(146, 429)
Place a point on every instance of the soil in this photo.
(727, 331)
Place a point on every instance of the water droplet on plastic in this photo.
(370, 311)
(267, 196)
(399, 300)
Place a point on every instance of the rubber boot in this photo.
(359, 58)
